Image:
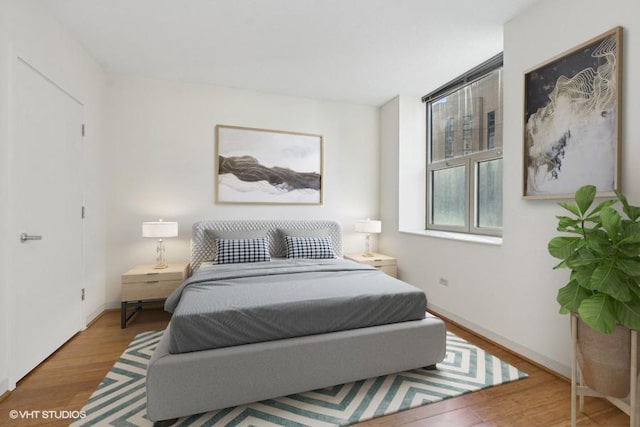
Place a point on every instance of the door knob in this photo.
(24, 237)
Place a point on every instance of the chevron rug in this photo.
(120, 398)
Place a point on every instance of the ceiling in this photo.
(358, 51)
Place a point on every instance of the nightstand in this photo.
(382, 262)
(144, 284)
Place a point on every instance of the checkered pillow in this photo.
(232, 251)
(309, 247)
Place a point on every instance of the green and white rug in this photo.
(120, 399)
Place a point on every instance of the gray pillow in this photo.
(212, 235)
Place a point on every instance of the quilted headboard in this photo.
(202, 243)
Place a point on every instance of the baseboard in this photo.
(95, 315)
(116, 306)
(100, 311)
(543, 362)
(4, 385)
(110, 306)
(96, 318)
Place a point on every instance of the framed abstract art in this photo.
(268, 166)
(572, 120)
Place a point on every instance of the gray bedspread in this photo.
(228, 305)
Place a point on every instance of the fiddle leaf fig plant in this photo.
(602, 250)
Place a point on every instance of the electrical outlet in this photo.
(444, 282)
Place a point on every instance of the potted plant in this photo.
(602, 251)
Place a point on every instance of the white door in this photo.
(46, 203)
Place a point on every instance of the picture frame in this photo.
(572, 120)
(264, 166)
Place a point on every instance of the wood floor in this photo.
(67, 379)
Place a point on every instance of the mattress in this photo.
(236, 304)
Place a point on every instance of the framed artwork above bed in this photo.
(262, 166)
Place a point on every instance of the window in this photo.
(464, 146)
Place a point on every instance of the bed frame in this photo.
(190, 383)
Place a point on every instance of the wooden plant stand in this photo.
(578, 389)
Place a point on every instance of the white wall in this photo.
(507, 292)
(28, 31)
(161, 162)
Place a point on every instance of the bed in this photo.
(255, 325)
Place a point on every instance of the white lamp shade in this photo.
(159, 229)
(369, 226)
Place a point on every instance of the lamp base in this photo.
(368, 255)
(160, 258)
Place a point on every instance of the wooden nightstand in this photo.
(382, 262)
(144, 284)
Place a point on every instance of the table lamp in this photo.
(368, 226)
(160, 229)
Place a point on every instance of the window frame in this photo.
(470, 162)
(483, 156)
(442, 165)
